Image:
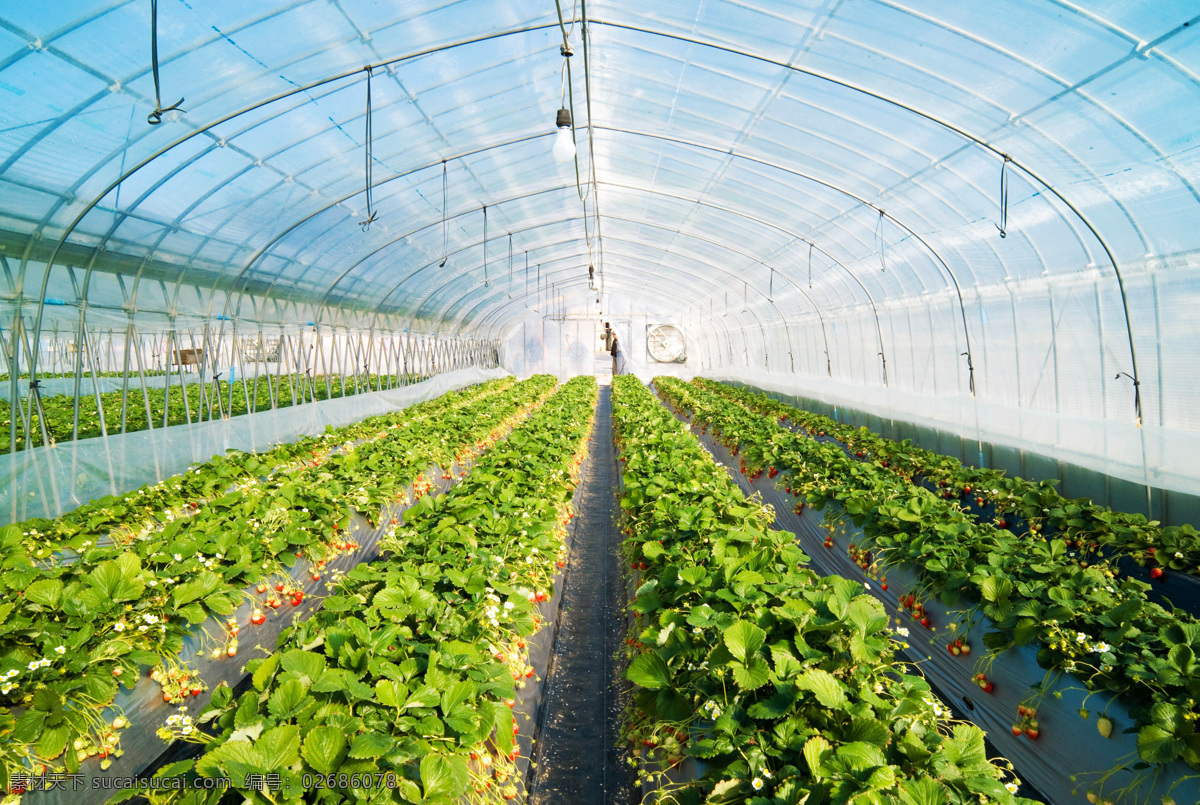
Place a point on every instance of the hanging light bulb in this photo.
(564, 139)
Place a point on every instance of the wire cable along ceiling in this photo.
(990, 205)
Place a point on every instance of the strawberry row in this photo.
(147, 508)
(72, 634)
(1016, 503)
(783, 685)
(409, 673)
(1085, 620)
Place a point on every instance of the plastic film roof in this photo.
(815, 186)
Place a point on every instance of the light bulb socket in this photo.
(564, 119)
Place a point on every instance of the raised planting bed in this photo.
(1078, 620)
(783, 685)
(1021, 506)
(199, 402)
(195, 583)
(408, 676)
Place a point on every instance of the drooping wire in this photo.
(367, 139)
(810, 250)
(485, 253)
(1003, 225)
(510, 266)
(445, 240)
(880, 241)
(155, 117)
(771, 292)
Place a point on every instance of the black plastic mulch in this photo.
(579, 758)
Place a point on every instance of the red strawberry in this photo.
(1156, 572)
(925, 622)
(1017, 731)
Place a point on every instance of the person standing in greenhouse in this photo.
(613, 351)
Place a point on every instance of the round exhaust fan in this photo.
(666, 344)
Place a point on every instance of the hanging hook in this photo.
(371, 214)
(879, 239)
(485, 253)
(155, 117)
(1137, 395)
(1003, 225)
(970, 372)
(445, 250)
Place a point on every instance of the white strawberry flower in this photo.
(757, 783)
(61, 650)
(1012, 787)
(178, 558)
(118, 627)
(6, 687)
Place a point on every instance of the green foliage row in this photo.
(783, 684)
(59, 409)
(1083, 618)
(1039, 505)
(71, 631)
(408, 673)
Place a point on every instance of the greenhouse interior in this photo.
(780, 403)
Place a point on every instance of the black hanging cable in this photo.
(155, 117)
(445, 238)
(810, 248)
(771, 292)
(485, 254)
(510, 268)
(879, 238)
(367, 138)
(1003, 225)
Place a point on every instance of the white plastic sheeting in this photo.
(47, 481)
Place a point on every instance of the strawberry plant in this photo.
(783, 683)
(1036, 507)
(59, 410)
(410, 671)
(1084, 619)
(72, 632)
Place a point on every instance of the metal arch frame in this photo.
(624, 285)
(471, 246)
(745, 216)
(561, 188)
(961, 132)
(285, 232)
(789, 233)
(523, 296)
(469, 317)
(800, 175)
(448, 310)
(758, 320)
(213, 124)
(950, 127)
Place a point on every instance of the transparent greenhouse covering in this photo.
(980, 215)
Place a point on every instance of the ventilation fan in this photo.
(666, 344)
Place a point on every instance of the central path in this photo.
(579, 757)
